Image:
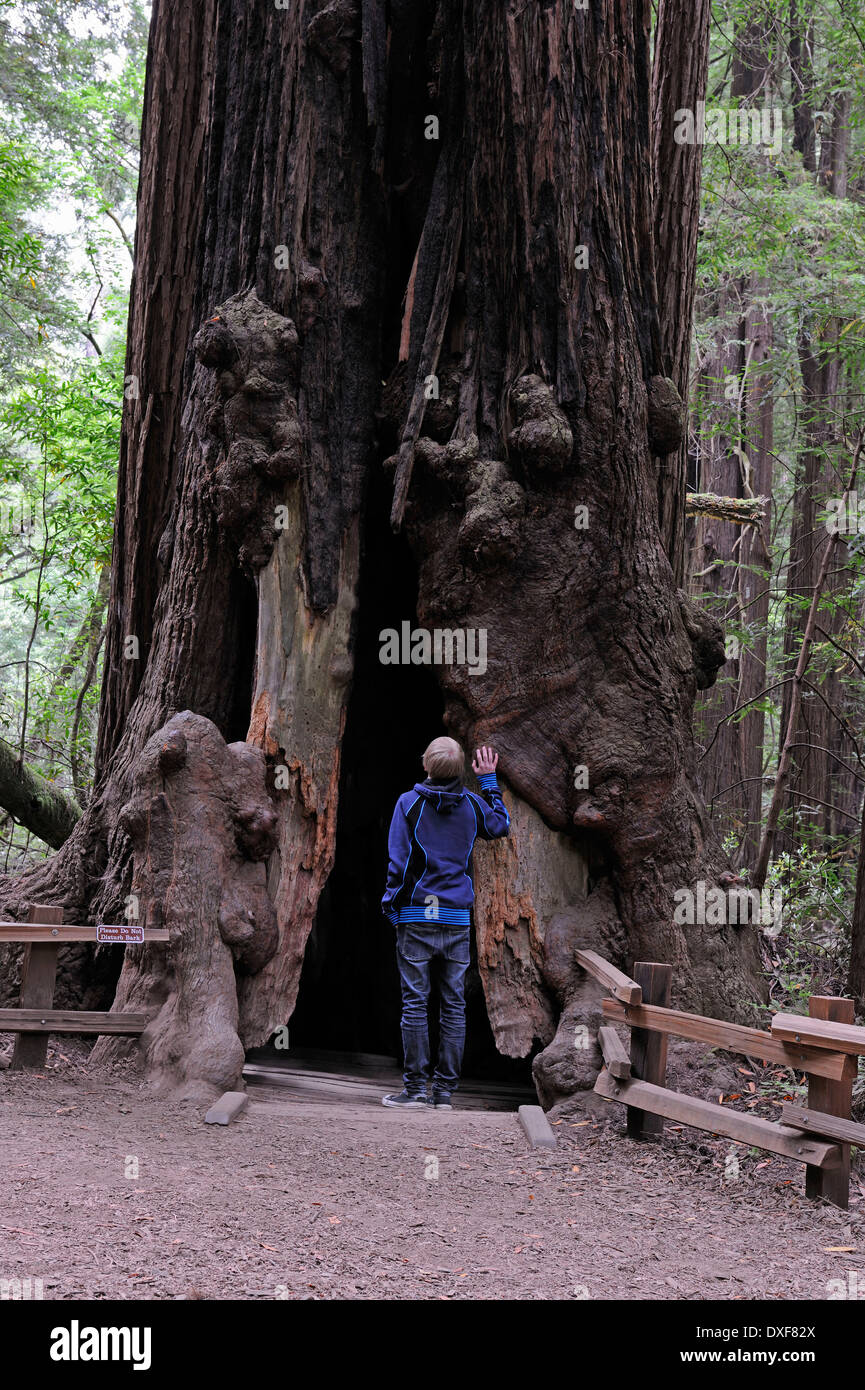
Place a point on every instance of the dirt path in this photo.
(307, 1200)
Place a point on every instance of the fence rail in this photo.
(825, 1045)
(59, 932)
(733, 1037)
(35, 1018)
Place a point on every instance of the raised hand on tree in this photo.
(485, 760)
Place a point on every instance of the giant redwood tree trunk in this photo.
(343, 308)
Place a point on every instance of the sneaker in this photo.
(442, 1101)
(404, 1101)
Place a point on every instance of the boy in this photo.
(428, 899)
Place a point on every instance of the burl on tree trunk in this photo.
(201, 824)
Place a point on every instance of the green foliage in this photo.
(783, 241)
(70, 430)
(812, 953)
(59, 441)
(70, 102)
(69, 112)
(20, 250)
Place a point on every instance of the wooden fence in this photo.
(36, 1017)
(825, 1045)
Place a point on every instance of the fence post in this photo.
(649, 1049)
(38, 973)
(833, 1098)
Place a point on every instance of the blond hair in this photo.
(444, 758)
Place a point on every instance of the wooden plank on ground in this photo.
(368, 1090)
(38, 973)
(536, 1127)
(649, 1049)
(227, 1108)
(42, 1021)
(827, 1126)
(622, 986)
(704, 1114)
(840, 1037)
(835, 1098)
(614, 1052)
(56, 933)
(733, 1037)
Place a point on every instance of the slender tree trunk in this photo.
(732, 562)
(801, 54)
(796, 687)
(856, 978)
(732, 567)
(679, 76)
(715, 561)
(821, 792)
(86, 640)
(755, 568)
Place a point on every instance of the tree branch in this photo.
(127, 243)
(44, 809)
(742, 511)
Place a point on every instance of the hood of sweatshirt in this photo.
(444, 796)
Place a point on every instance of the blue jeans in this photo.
(416, 948)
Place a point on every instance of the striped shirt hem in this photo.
(444, 916)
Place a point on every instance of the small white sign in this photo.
(119, 936)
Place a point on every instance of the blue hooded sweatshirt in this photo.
(432, 835)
